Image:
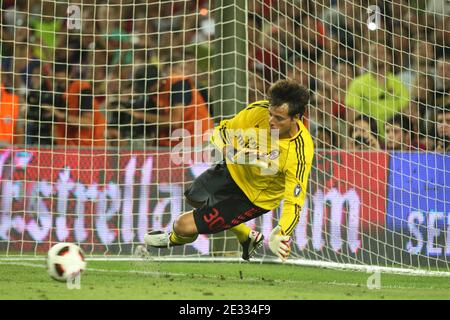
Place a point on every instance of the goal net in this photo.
(107, 107)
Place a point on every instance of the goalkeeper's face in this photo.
(281, 122)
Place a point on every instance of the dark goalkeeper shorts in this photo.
(221, 204)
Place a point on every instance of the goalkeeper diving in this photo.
(267, 157)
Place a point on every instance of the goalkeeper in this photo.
(268, 155)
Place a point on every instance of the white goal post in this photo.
(97, 95)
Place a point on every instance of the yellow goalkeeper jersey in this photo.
(289, 162)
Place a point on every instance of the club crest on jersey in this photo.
(274, 154)
(297, 190)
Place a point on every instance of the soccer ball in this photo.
(65, 260)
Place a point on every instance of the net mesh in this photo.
(96, 97)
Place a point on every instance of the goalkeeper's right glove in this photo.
(279, 243)
(246, 156)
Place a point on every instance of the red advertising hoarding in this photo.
(347, 197)
(85, 197)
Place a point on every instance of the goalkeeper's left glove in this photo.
(279, 243)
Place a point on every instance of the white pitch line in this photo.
(23, 264)
(296, 261)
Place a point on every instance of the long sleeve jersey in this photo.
(289, 162)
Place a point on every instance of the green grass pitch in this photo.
(206, 280)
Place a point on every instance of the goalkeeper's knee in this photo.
(184, 225)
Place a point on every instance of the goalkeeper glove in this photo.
(247, 156)
(279, 243)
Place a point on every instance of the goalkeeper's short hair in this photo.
(292, 93)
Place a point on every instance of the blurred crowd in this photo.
(137, 74)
